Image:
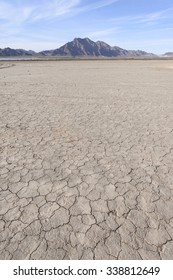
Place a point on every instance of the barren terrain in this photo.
(86, 160)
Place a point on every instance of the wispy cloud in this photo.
(34, 10)
(96, 5)
(145, 18)
(11, 13)
(54, 8)
(19, 11)
(103, 32)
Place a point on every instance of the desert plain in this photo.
(86, 159)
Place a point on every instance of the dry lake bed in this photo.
(86, 159)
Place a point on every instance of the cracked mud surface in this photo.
(86, 160)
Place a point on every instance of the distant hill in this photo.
(80, 47)
(168, 54)
(15, 52)
(87, 47)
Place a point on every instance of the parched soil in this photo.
(86, 160)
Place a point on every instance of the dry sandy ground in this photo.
(86, 160)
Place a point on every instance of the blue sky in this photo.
(48, 24)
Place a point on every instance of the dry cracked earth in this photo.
(86, 160)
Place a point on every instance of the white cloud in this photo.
(145, 18)
(11, 13)
(97, 5)
(103, 32)
(156, 16)
(54, 8)
(21, 11)
(29, 11)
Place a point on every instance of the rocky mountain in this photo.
(15, 52)
(80, 47)
(87, 47)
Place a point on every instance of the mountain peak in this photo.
(82, 40)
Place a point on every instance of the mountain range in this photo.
(87, 47)
(82, 48)
(168, 54)
(15, 52)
